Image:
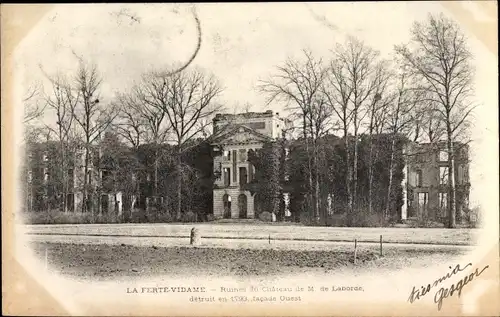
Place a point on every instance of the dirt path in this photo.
(227, 243)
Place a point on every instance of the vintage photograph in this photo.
(282, 144)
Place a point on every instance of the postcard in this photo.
(250, 159)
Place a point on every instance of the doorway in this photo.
(226, 199)
(104, 203)
(242, 206)
(258, 205)
(423, 200)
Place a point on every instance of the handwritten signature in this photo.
(445, 292)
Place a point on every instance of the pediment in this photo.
(242, 137)
(239, 134)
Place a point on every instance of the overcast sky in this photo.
(241, 43)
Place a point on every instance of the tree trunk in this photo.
(155, 185)
(275, 181)
(115, 192)
(370, 159)
(155, 189)
(87, 159)
(355, 173)
(85, 180)
(316, 186)
(370, 177)
(64, 174)
(314, 168)
(63, 164)
(317, 200)
(179, 185)
(309, 192)
(391, 167)
(451, 180)
(348, 179)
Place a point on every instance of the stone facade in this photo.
(427, 181)
(42, 169)
(234, 136)
(102, 199)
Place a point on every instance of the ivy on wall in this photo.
(275, 175)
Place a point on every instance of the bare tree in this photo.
(359, 61)
(433, 128)
(350, 87)
(205, 127)
(318, 126)
(186, 99)
(338, 93)
(438, 53)
(92, 116)
(130, 124)
(63, 101)
(403, 114)
(142, 122)
(377, 114)
(298, 83)
(33, 107)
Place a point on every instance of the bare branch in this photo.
(439, 56)
(184, 99)
(33, 108)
